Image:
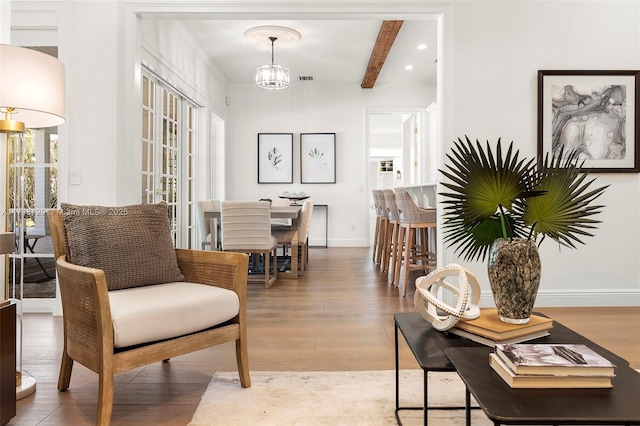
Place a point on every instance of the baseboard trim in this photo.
(578, 298)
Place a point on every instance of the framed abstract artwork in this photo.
(595, 113)
(317, 158)
(275, 157)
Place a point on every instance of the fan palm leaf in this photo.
(490, 196)
(565, 211)
(481, 193)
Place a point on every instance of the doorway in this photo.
(397, 151)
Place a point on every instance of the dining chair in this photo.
(285, 236)
(206, 233)
(246, 228)
(277, 223)
(416, 235)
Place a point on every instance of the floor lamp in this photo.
(32, 95)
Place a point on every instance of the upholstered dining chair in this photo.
(246, 228)
(208, 236)
(277, 223)
(285, 236)
(416, 235)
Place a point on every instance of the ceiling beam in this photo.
(386, 37)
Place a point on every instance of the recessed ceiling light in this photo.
(422, 46)
(408, 67)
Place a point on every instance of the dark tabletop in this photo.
(428, 344)
(620, 404)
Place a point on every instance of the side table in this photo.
(427, 345)
(504, 405)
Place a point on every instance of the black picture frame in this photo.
(275, 157)
(317, 158)
(594, 112)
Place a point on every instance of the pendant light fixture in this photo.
(272, 77)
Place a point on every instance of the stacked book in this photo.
(523, 365)
(489, 330)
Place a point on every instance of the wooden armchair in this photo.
(89, 327)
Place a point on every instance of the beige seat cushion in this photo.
(162, 311)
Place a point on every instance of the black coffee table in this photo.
(429, 347)
(619, 405)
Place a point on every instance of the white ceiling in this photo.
(329, 50)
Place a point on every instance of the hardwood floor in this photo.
(339, 316)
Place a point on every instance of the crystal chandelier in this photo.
(272, 77)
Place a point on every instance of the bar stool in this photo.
(391, 234)
(381, 225)
(417, 234)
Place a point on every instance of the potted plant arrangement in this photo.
(504, 207)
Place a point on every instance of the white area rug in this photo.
(330, 398)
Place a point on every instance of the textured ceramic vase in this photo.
(514, 276)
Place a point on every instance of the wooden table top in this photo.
(277, 212)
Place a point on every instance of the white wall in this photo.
(499, 47)
(92, 102)
(312, 108)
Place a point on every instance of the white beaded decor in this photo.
(441, 315)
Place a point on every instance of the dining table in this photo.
(277, 212)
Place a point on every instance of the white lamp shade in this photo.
(33, 84)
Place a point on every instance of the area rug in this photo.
(330, 398)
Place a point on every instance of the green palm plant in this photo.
(491, 197)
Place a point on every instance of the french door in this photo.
(168, 148)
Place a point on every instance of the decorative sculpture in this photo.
(440, 314)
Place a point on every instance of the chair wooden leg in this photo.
(275, 263)
(386, 249)
(304, 250)
(105, 398)
(376, 235)
(65, 371)
(424, 245)
(399, 254)
(271, 276)
(242, 359)
(409, 238)
(394, 252)
(381, 236)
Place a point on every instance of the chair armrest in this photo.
(86, 311)
(221, 269)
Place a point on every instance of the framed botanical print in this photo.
(275, 157)
(317, 158)
(595, 113)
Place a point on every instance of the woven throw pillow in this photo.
(131, 244)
